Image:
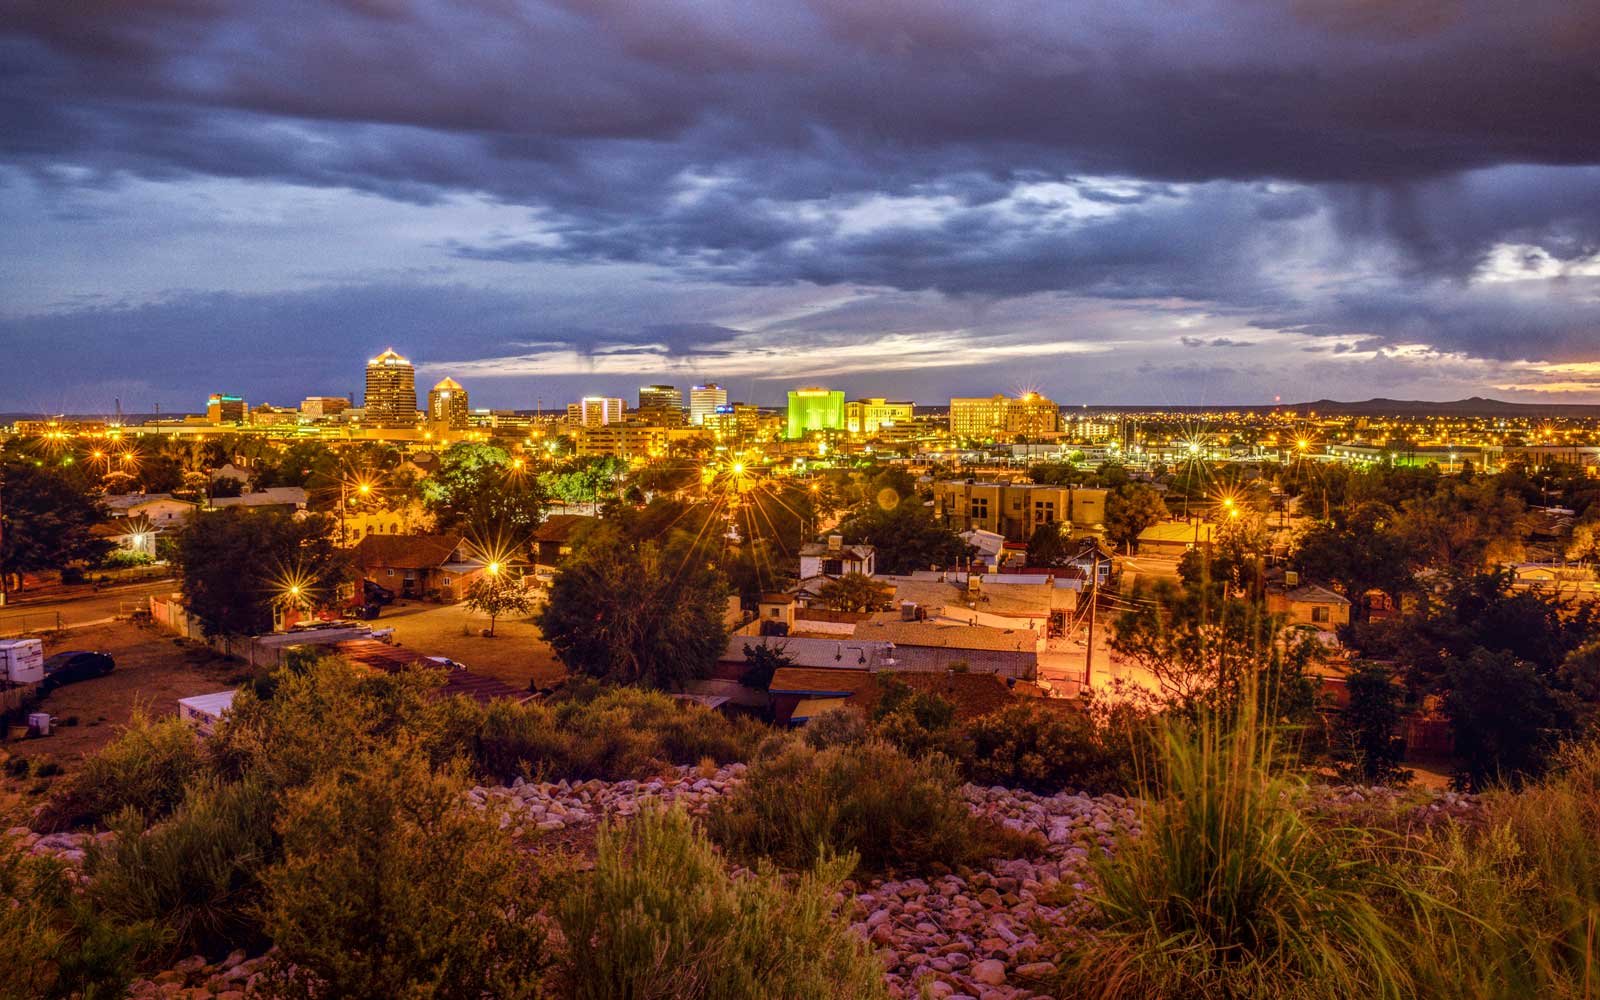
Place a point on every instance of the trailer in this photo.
(21, 661)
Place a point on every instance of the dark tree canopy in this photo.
(237, 565)
(627, 613)
(48, 516)
(906, 536)
(1130, 509)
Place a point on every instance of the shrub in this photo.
(1518, 897)
(1229, 891)
(661, 917)
(837, 727)
(391, 885)
(196, 874)
(318, 714)
(918, 722)
(616, 733)
(145, 768)
(893, 811)
(1029, 745)
(53, 943)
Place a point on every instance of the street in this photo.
(86, 606)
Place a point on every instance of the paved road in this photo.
(89, 606)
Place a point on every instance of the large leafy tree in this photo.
(906, 536)
(853, 592)
(1130, 509)
(238, 565)
(47, 520)
(1507, 718)
(632, 614)
(1364, 552)
(1205, 649)
(479, 492)
(586, 480)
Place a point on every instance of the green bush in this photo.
(144, 768)
(1029, 745)
(918, 722)
(318, 714)
(892, 811)
(1517, 911)
(837, 727)
(197, 873)
(1230, 891)
(391, 885)
(53, 942)
(615, 734)
(661, 917)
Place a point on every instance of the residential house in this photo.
(834, 558)
(162, 510)
(1312, 605)
(136, 535)
(552, 540)
(417, 565)
(281, 499)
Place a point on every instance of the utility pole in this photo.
(1094, 603)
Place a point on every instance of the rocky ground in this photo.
(975, 935)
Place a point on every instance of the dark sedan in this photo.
(74, 666)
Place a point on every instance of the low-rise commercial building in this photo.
(1016, 510)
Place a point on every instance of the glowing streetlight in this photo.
(493, 569)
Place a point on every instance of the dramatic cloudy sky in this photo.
(1161, 201)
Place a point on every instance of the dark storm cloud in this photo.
(1117, 149)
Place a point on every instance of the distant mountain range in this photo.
(1475, 406)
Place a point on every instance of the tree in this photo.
(627, 613)
(586, 480)
(238, 565)
(1130, 509)
(478, 491)
(1364, 553)
(1508, 720)
(761, 662)
(906, 537)
(1205, 648)
(854, 592)
(492, 596)
(47, 522)
(1047, 546)
(1368, 744)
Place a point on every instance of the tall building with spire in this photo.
(447, 405)
(391, 399)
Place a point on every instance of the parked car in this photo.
(376, 593)
(75, 665)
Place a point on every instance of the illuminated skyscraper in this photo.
(222, 408)
(595, 411)
(391, 399)
(813, 409)
(661, 405)
(704, 400)
(994, 417)
(447, 405)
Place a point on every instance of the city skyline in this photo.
(1121, 204)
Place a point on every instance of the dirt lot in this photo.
(153, 671)
(517, 654)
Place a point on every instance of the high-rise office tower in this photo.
(447, 405)
(391, 399)
(661, 405)
(704, 400)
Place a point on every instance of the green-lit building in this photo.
(815, 410)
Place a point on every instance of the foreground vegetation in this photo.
(1234, 890)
